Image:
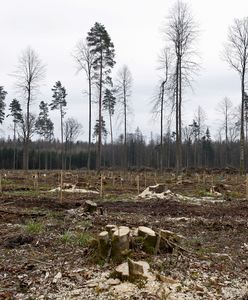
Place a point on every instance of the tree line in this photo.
(178, 146)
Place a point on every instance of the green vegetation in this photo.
(82, 239)
(34, 227)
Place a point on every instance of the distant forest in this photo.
(203, 153)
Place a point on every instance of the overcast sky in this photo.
(53, 27)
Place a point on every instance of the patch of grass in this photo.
(34, 227)
(83, 239)
(235, 194)
(67, 237)
(55, 214)
(204, 193)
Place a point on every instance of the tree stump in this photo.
(90, 206)
(131, 270)
(169, 240)
(139, 268)
(120, 241)
(149, 238)
(111, 229)
(103, 243)
(158, 188)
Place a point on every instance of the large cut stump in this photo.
(158, 188)
(111, 229)
(169, 240)
(149, 238)
(120, 241)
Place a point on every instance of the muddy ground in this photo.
(48, 248)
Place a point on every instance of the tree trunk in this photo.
(111, 136)
(99, 149)
(177, 119)
(62, 138)
(14, 158)
(241, 169)
(125, 127)
(89, 145)
(161, 126)
(180, 114)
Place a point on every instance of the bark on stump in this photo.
(103, 243)
(169, 240)
(111, 229)
(149, 238)
(158, 188)
(131, 270)
(120, 241)
(90, 206)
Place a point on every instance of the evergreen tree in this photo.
(109, 102)
(102, 48)
(16, 111)
(44, 125)
(59, 102)
(17, 115)
(3, 94)
(102, 126)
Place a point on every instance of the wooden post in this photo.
(138, 184)
(1, 189)
(113, 179)
(212, 180)
(246, 186)
(198, 178)
(101, 187)
(61, 186)
(204, 178)
(36, 182)
(145, 180)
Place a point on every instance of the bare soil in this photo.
(40, 237)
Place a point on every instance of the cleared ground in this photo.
(47, 248)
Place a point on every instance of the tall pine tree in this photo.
(59, 102)
(102, 48)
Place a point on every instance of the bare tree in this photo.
(181, 33)
(85, 61)
(236, 55)
(165, 60)
(72, 129)
(124, 88)
(225, 109)
(200, 118)
(29, 72)
(22, 129)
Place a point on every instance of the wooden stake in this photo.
(204, 178)
(1, 189)
(61, 186)
(246, 186)
(113, 179)
(138, 184)
(101, 187)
